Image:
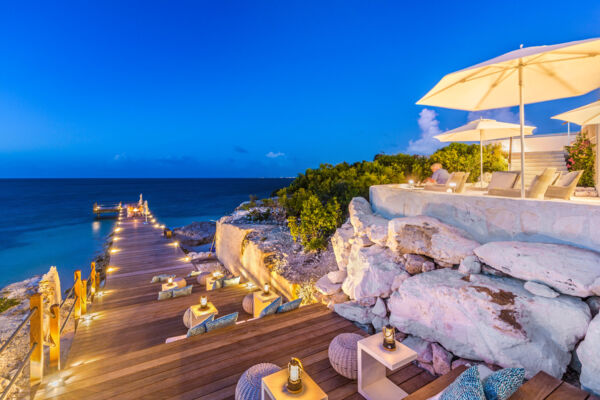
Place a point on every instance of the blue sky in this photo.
(247, 88)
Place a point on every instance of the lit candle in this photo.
(203, 301)
(216, 274)
(170, 280)
(266, 288)
(294, 383)
(411, 182)
(389, 341)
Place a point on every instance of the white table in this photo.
(262, 300)
(373, 360)
(273, 387)
(177, 283)
(196, 314)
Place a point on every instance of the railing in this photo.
(82, 293)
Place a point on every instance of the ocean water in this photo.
(46, 222)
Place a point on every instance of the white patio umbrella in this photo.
(523, 76)
(482, 130)
(585, 115)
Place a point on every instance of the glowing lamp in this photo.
(452, 186)
(266, 288)
(186, 259)
(170, 280)
(203, 302)
(249, 285)
(389, 340)
(295, 370)
(216, 274)
(113, 251)
(411, 182)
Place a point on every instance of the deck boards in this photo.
(121, 353)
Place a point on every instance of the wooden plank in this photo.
(537, 388)
(437, 385)
(568, 392)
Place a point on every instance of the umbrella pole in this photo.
(522, 122)
(481, 158)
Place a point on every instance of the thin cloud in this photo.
(240, 149)
(430, 126)
(499, 114)
(274, 155)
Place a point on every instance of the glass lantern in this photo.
(295, 370)
(389, 340)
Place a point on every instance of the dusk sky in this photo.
(248, 88)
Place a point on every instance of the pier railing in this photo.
(83, 292)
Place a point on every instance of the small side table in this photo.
(373, 360)
(177, 283)
(273, 387)
(210, 279)
(196, 314)
(262, 300)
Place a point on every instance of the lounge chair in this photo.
(458, 178)
(538, 187)
(504, 180)
(565, 185)
(541, 386)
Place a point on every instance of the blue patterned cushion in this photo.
(222, 322)
(165, 294)
(289, 306)
(271, 308)
(466, 387)
(231, 281)
(161, 278)
(184, 291)
(200, 328)
(218, 284)
(502, 384)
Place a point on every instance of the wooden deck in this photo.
(121, 354)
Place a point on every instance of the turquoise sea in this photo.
(46, 222)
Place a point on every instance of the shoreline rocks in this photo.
(196, 233)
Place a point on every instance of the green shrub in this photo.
(580, 156)
(316, 223)
(5, 303)
(465, 157)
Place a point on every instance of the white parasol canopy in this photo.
(585, 115)
(520, 77)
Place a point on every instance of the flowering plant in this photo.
(580, 156)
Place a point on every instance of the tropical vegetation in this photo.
(580, 156)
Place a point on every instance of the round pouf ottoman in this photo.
(249, 384)
(248, 303)
(343, 354)
(201, 278)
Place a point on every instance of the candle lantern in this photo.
(216, 274)
(203, 301)
(411, 183)
(170, 280)
(389, 340)
(295, 370)
(266, 288)
(452, 186)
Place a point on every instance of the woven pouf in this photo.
(201, 278)
(248, 303)
(343, 354)
(249, 384)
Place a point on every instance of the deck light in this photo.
(452, 187)
(113, 251)
(266, 288)
(411, 183)
(216, 274)
(58, 382)
(203, 302)
(117, 229)
(170, 280)
(389, 341)
(294, 382)
(186, 259)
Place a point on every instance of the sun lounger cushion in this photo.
(289, 306)
(193, 273)
(466, 386)
(566, 179)
(184, 291)
(503, 180)
(271, 308)
(200, 328)
(218, 284)
(231, 281)
(165, 294)
(502, 384)
(222, 322)
(161, 278)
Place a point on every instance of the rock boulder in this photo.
(566, 269)
(540, 290)
(353, 311)
(366, 223)
(588, 353)
(490, 319)
(326, 287)
(429, 237)
(340, 242)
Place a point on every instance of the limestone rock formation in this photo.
(490, 319)
(540, 290)
(429, 237)
(337, 276)
(371, 271)
(379, 308)
(196, 233)
(442, 359)
(326, 287)
(366, 223)
(340, 242)
(421, 347)
(470, 265)
(588, 353)
(594, 304)
(567, 269)
(354, 312)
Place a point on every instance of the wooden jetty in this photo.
(101, 209)
(121, 352)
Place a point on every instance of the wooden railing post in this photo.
(84, 297)
(93, 279)
(97, 281)
(36, 337)
(77, 292)
(55, 337)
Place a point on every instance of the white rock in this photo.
(398, 279)
(594, 303)
(442, 359)
(567, 269)
(326, 287)
(490, 319)
(340, 242)
(470, 265)
(379, 309)
(588, 353)
(366, 223)
(539, 289)
(414, 263)
(354, 312)
(337, 276)
(379, 323)
(430, 237)
(361, 241)
(371, 271)
(428, 266)
(421, 347)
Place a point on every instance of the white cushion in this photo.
(566, 179)
(502, 180)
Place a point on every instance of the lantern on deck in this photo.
(170, 280)
(266, 288)
(295, 370)
(389, 340)
(203, 301)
